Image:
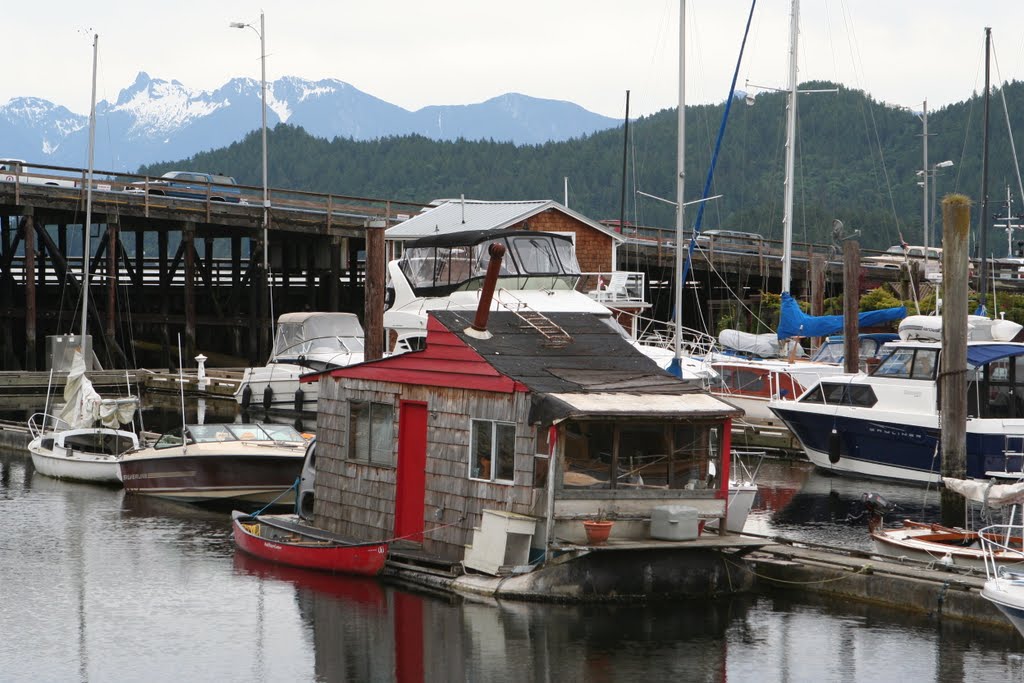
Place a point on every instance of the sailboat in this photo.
(71, 445)
(742, 491)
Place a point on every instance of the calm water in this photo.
(99, 586)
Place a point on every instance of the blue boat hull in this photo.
(892, 450)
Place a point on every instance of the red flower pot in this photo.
(597, 531)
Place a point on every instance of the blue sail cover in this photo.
(795, 323)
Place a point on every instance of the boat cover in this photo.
(795, 323)
(980, 354)
(84, 407)
(992, 495)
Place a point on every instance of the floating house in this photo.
(485, 453)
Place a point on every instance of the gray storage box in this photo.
(674, 523)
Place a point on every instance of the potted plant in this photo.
(597, 530)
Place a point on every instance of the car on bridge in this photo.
(192, 185)
(17, 170)
(731, 241)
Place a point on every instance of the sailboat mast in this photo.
(983, 237)
(787, 217)
(680, 182)
(87, 227)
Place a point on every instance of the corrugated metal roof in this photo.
(455, 215)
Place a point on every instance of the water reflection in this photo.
(99, 585)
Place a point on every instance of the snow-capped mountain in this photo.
(157, 120)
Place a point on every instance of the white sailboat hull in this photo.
(62, 455)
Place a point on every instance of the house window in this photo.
(371, 429)
(492, 451)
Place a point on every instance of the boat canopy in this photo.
(317, 332)
(795, 323)
(987, 492)
(980, 354)
(437, 265)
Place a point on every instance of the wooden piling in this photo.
(817, 290)
(28, 225)
(851, 305)
(956, 221)
(373, 322)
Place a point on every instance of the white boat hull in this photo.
(1008, 597)
(283, 380)
(98, 469)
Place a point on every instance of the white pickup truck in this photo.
(17, 170)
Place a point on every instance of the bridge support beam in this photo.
(188, 235)
(29, 235)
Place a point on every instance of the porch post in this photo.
(726, 464)
(555, 441)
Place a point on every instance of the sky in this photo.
(414, 54)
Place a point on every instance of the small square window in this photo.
(371, 432)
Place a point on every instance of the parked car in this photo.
(191, 185)
(731, 240)
(12, 170)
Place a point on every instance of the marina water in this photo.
(97, 585)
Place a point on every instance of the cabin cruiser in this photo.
(303, 343)
(539, 274)
(886, 424)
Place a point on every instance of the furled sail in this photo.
(84, 407)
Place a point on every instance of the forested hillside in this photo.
(856, 161)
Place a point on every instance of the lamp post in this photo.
(261, 32)
(935, 167)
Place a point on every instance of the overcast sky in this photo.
(414, 53)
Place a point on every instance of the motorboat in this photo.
(84, 441)
(209, 463)
(303, 343)
(886, 423)
(539, 274)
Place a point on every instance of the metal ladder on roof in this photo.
(554, 335)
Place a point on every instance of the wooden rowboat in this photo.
(937, 543)
(284, 539)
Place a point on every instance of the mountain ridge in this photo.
(155, 119)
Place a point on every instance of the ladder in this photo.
(555, 336)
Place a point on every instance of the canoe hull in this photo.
(256, 536)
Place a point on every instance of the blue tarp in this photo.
(795, 323)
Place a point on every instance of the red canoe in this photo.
(283, 539)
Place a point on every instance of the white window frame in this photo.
(473, 470)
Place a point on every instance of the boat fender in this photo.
(246, 396)
(268, 397)
(300, 396)
(833, 446)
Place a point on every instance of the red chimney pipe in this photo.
(483, 309)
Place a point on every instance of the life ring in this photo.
(9, 178)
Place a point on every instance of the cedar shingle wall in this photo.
(358, 500)
(593, 248)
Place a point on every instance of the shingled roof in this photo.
(593, 373)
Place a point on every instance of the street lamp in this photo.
(942, 164)
(261, 32)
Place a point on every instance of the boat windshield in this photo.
(212, 433)
(531, 261)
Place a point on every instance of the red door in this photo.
(412, 465)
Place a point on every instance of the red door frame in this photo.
(411, 478)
